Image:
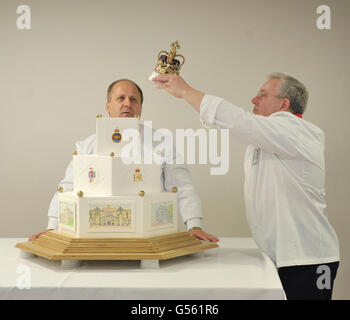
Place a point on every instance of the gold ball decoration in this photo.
(60, 189)
(75, 152)
(80, 194)
(112, 154)
(174, 189)
(142, 193)
(99, 116)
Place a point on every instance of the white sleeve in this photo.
(82, 147)
(67, 185)
(189, 204)
(281, 133)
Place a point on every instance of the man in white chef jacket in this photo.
(124, 99)
(284, 179)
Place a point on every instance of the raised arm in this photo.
(179, 88)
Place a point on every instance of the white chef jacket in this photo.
(173, 175)
(284, 182)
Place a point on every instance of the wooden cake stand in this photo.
(55, 246)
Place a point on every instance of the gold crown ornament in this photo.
(167, 62)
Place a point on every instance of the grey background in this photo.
(53, 80)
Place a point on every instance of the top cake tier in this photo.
(113, 134)
(118, 167)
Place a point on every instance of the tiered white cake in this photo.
(113, 198)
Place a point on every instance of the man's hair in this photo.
(115, 82)
(292, 89)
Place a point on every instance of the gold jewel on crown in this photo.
(167, 62)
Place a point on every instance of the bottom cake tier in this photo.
(91, 216)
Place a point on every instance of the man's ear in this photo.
(285, 105)
(107, 107)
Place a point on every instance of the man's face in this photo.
(125, 101)
(266, 102)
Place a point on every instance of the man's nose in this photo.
(255, 100)
(127, 102)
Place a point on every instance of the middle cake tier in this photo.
(107, 175)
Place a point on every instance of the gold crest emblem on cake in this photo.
(138, 175)
(167, 62)
(92, 174)
(116, 137)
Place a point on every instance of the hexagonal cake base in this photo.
(56, 246)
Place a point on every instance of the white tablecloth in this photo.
(235, 270)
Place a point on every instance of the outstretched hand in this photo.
(37, 236)
(200, 234)
(179, 88)
(172, 83)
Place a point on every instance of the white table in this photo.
(235, 270)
